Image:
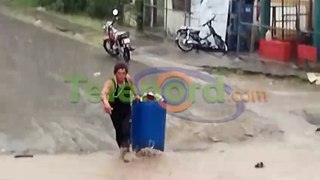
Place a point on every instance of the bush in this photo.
(65, 6)
(101, 8)
(94, 8)
(46, 2)
(32, 3)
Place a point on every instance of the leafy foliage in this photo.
(94, 8)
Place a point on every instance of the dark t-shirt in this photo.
(119, 98)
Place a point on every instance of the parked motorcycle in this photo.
(188, 38)
(116, 43)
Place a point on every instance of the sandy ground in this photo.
(225, 162)
(280, 132)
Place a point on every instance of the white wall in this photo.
(204, 10)
(201, 13)
(175, 18)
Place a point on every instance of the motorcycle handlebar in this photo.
(214, 17)
(112, 22)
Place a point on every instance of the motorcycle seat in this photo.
(194, 30)
(189, 27)
(183, 27)
(122, 34)
(119, 33)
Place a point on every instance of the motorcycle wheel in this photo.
(181, 45)
(126, 54)
(221, 44)
(106, 43)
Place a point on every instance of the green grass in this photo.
(81, 19)
(31, 3)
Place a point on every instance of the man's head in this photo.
(120, 71)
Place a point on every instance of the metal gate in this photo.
(162, 17)
(292, 21)
(154, 17)
(289, 20)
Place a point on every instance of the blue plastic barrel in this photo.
(148, 125)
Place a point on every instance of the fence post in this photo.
(264, 16)
(316, 22)
(166, 21)
(240, 6)
(139, 5)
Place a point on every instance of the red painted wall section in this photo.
(277, 50)
(306, 53)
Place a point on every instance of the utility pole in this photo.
(254, 27)
(316, 25)
(264, 16)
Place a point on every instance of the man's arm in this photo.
(133, 87)
(105, 92)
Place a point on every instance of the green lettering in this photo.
(124, 97)
(111, 95)
(192, 91)
(93, 93)
(219, 89)
(174, 98)
(75, 86)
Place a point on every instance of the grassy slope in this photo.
(26, 11)
(31, 3)
(80, 18)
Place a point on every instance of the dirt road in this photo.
(37, 116)
(35, 106)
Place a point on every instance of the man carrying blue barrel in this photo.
(115, 96)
